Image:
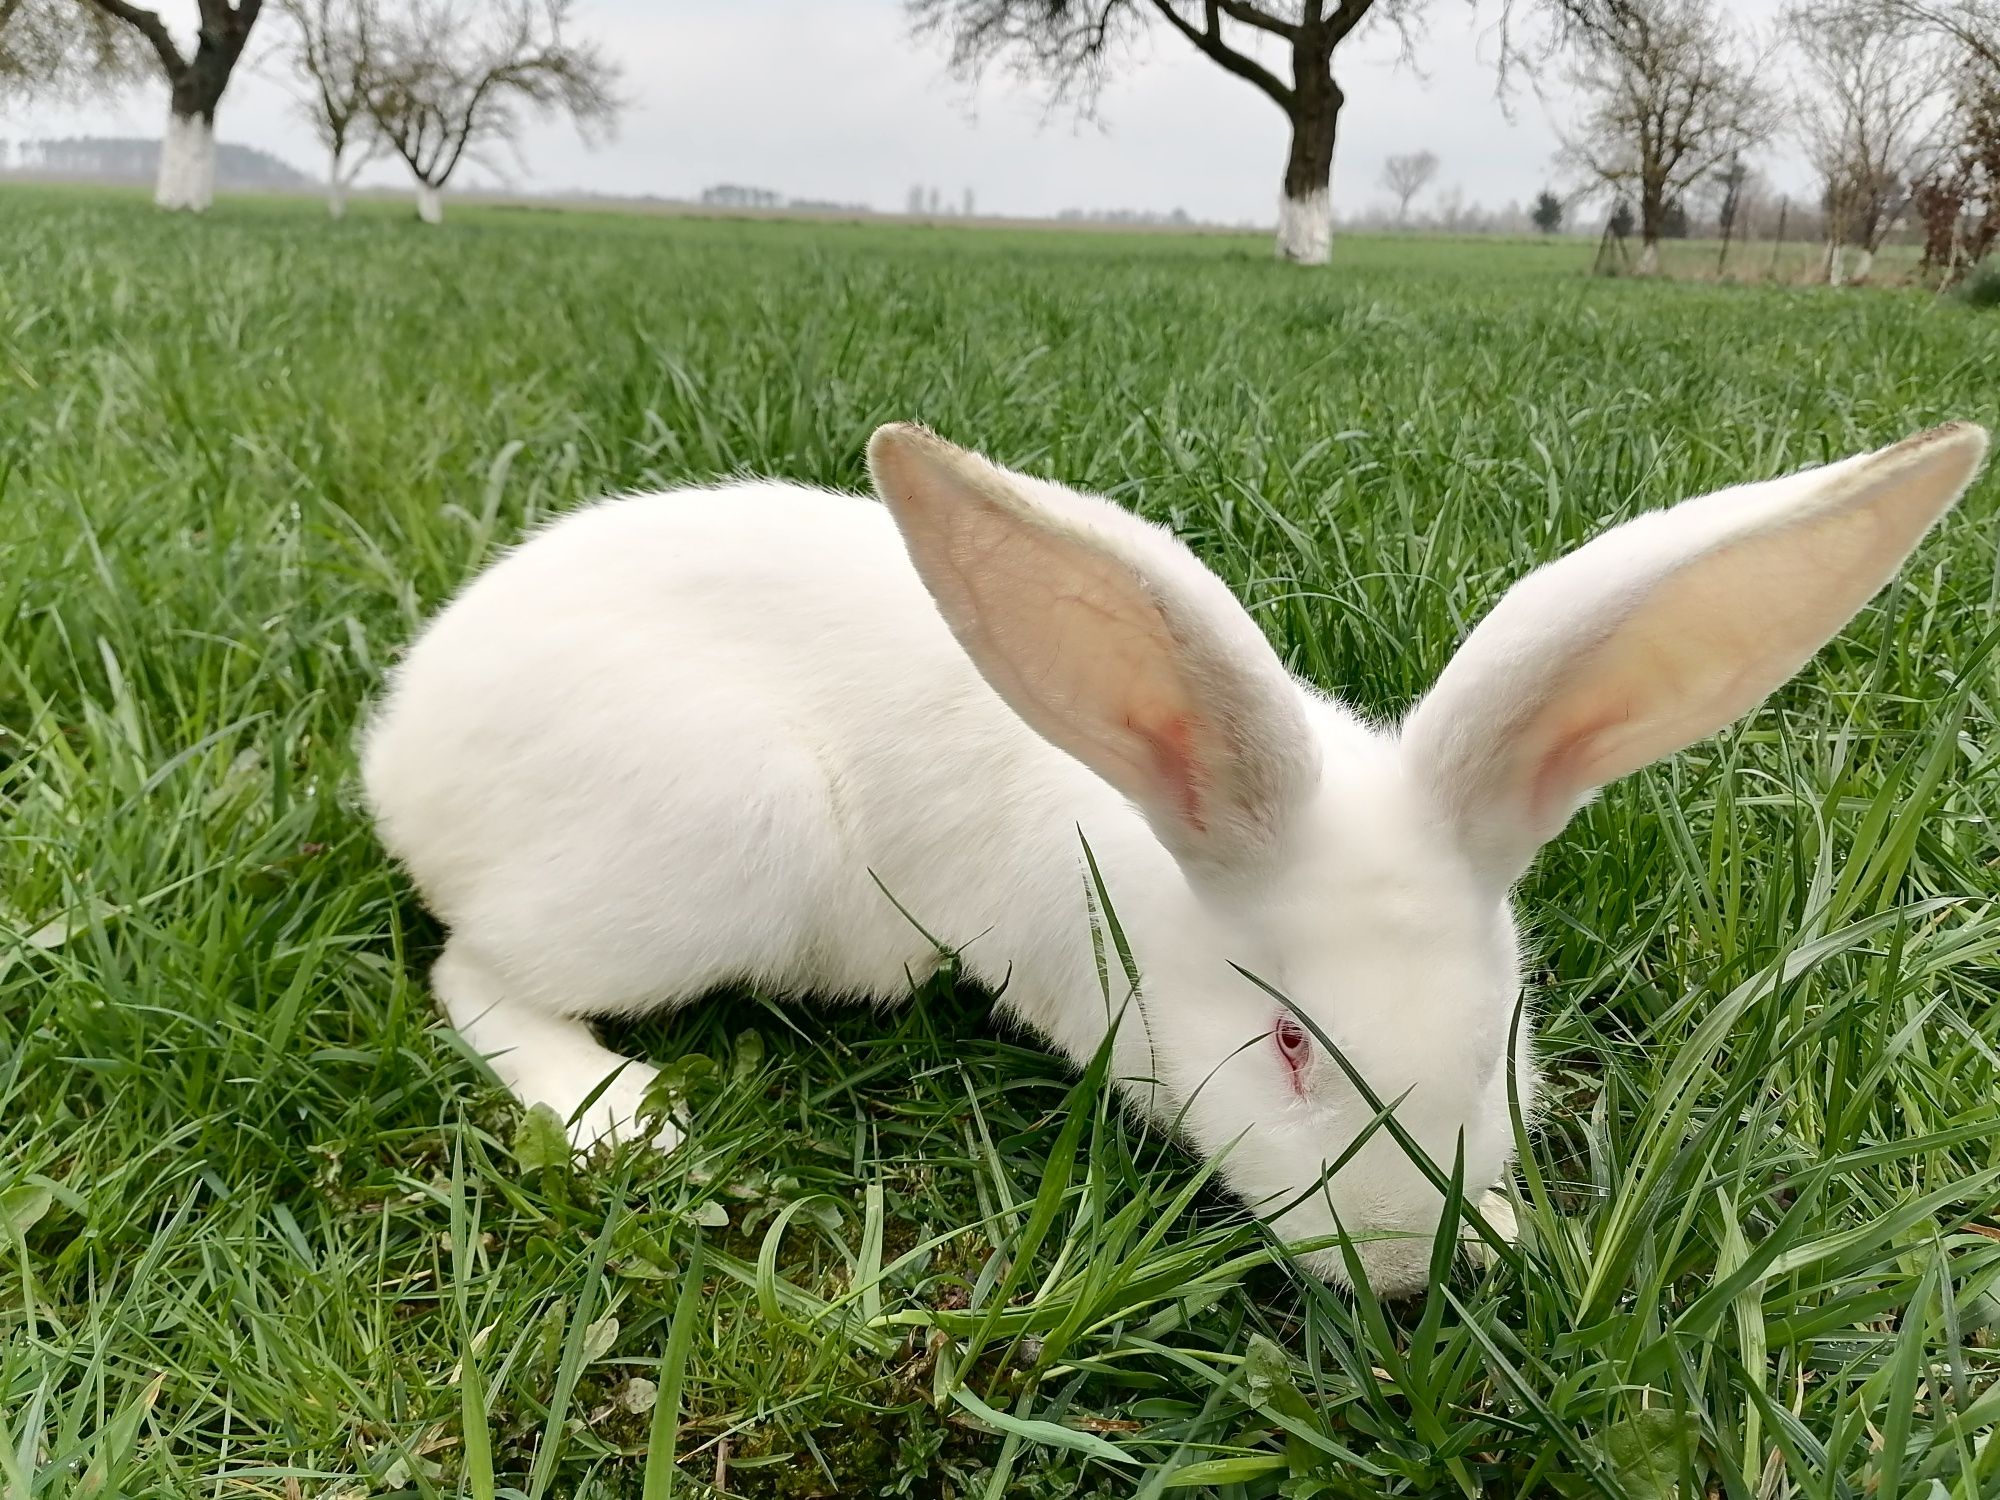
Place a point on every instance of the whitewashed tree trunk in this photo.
(1305, 204)
(336, 187)
(1649, 259)
(187, 164)
(1305, 228)
(430, 203)
(1864, 262)
(1834, 266)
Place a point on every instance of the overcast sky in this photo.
(833, 99)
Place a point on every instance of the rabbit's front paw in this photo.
(1498, 1211)
(614, 1115)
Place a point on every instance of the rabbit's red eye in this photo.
(1294, 1045)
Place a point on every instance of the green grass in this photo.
(264, 1229)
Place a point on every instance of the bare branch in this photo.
(1209, 41)
(1250, 15)
(1067, 45)
(60, 49)
(1532, 33)
(149, 26)
(1350, 14)
(1071, 45)
(1973, 24)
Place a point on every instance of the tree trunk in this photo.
(1305, 213)
(187, 163)
(430, 203)
(1652, 222)
(1833, 263)
(336, 187)
(1864, 262)
(187, 152)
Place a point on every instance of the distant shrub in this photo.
(1981, 288)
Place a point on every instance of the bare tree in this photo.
(54, 49)
(195, 82)
(1957, 198)
(1070, 45)
(1667, 98)
(1408, 175)
(1864, 114)
(331, 54)
(452, 80)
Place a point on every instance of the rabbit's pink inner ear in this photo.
(1172, 744)
(1563, 772)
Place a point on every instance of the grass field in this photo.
(264, 1230)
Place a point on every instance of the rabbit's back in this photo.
(673, 741)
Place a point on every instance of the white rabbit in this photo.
(673, 742)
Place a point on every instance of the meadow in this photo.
(267, 1230)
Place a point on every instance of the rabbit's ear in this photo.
(1111, 641)
(1662, 631)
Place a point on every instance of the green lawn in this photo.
(265, 1230)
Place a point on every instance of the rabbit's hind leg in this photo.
(545, 1058)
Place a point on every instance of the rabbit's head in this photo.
(1362, 875)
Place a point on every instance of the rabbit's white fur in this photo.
(673, 742)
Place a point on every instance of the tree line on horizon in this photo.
(123, 158)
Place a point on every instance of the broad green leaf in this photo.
(21, 1208)
(540, 1142)
(599, 1337)
(1648, 1452)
